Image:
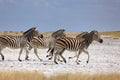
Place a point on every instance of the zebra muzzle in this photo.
(101, 40)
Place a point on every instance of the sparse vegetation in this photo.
(37, 75)
(69, 34)
(112, 33)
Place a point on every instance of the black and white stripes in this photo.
(75, 44)
(17, 41)
(68, 43)
(45, 42)
(57, 43)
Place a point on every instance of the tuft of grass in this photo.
(37, 75)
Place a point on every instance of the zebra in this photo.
(81, 35)
(75, 44)
(52, 50)
(45, 42)
(16, 42)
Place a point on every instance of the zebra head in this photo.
(96, 36)
(58, 33)
(29, 34)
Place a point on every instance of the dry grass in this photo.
(111, 33)
(36, 75)
(69, 34)
(21, 75)
(11, 33)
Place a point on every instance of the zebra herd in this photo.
(57, 43)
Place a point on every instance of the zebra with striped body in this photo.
(16, 42)
(52, 50)
(45, 42)
(75, 44)
(81, 35)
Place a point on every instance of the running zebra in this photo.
(81, 35)
(75, 44)
(52, 50)
(45, 42)
(16, 42)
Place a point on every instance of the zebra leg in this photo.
(20, 54)
(87, 54)
(51, 54)
(27, 53)
(55, 58)
(1, 48)
(72, 57)
(63, 58)
(2, 55)
(77, 61)
(58, 58)
(35, 51)
(48, 50)
(60, 55)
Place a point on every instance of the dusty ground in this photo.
(103, 58)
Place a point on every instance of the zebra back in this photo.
(44, 42)
(11, 41)
(69, 43)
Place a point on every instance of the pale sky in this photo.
(50, 15)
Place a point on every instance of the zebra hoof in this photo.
(3, 58)
(55, 62)
(20, 60)
(49, 58)
(41, 60)
(78, 63)
(69, 57)
(87, 61)
(27, 59)
(65, 61)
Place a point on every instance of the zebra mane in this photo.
(94, 32)
(58, 33)
(82, 35)
(29, 30)
(87, 36)
(29, 34)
